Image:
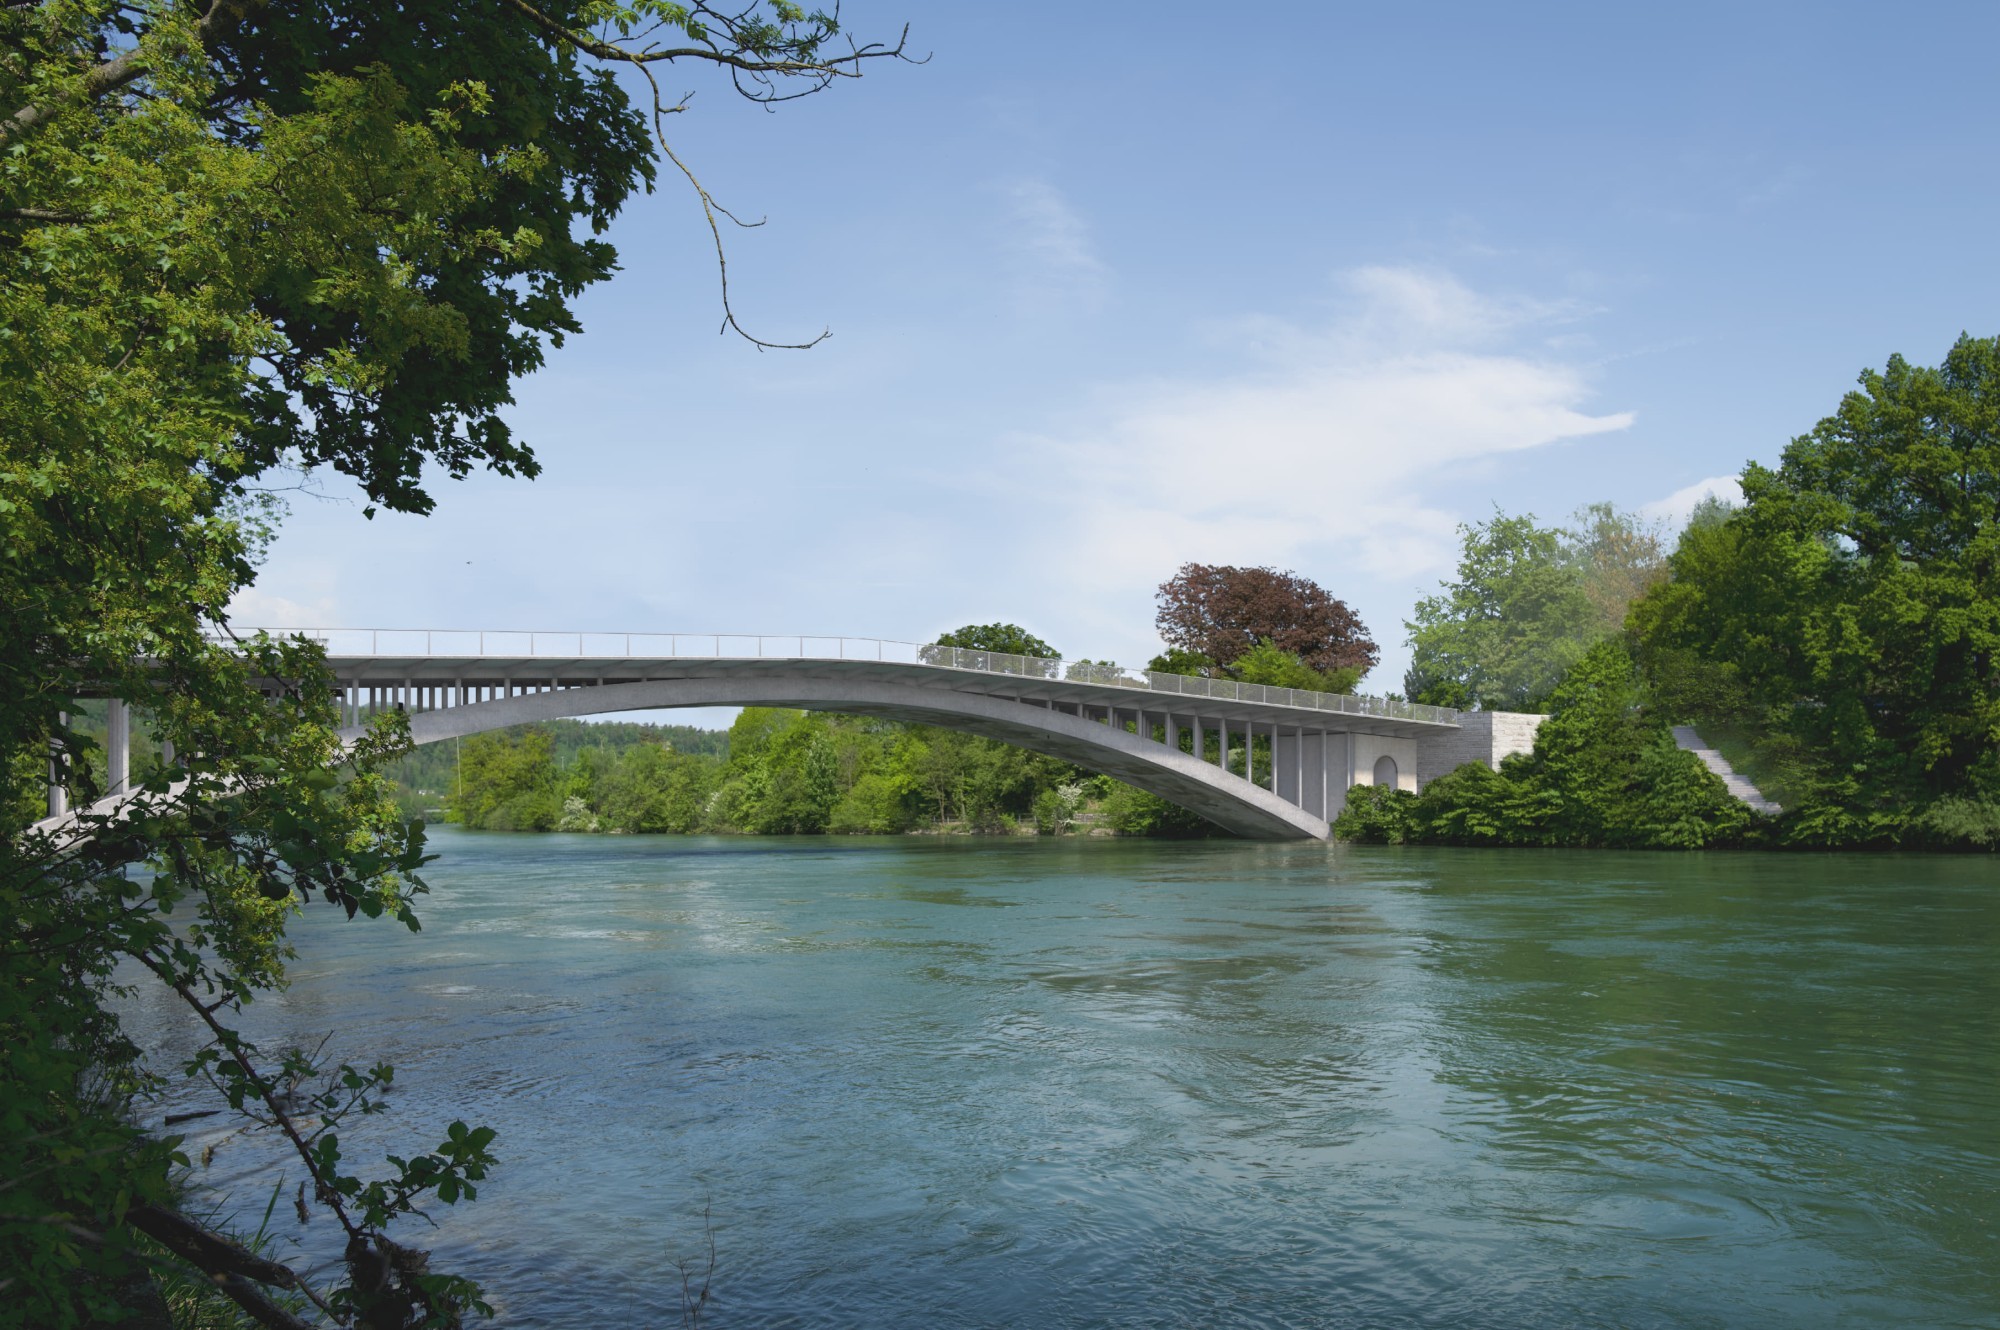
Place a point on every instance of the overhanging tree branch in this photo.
(764, 53)
(709, 209)
(127, 68)
(40, 216)
(760, 50)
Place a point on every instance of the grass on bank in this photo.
(1758, 760)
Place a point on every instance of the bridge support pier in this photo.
(1306, 767)
(118, 747)
(58, 795)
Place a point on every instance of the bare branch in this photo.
(709, 209)
(225, 1041)
(821, 71)
(234, 1271)
(40, 215)
(761, 73)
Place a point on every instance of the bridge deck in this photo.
(1299, 751)
(1099, 687)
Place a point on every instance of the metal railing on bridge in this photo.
(406, 642)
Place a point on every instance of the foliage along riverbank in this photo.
(775, 772)
(1837, 633)
(1604, 773)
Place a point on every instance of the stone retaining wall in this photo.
(1482, 736)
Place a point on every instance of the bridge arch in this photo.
(1385, 771)
(1228, 800)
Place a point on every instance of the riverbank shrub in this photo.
(1604, 773)
(1130, 811)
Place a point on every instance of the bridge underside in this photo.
(1225, 798)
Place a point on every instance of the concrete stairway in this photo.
(1685, 737)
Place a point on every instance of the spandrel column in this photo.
(118, 747)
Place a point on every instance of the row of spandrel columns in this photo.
(360, 700)
(1298, 765)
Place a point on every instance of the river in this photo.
(918, 1082)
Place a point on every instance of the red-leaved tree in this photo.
(1222, 612)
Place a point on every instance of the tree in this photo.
(239, 239)
(1222, 613)
(1618, 557)
(1528, 602)
(1501, 635)
(803, 784)
(509, 782)
(1850, 609)
(1266, 664)
(654, 789)
(1193, 664)
(1000, 646)
(1010, 638)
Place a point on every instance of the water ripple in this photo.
(1109, 1084)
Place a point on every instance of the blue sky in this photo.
(1117, 286)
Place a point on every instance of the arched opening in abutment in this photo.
(1227, 800)
(1385, 771)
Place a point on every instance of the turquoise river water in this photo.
(933, 1082)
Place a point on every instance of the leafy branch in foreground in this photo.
(240, 241)
(228, 846)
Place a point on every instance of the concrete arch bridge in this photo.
(1131, 724)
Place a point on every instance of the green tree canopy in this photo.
(1501, 634)
(1850, 610)
(507, 782)
(1268, 664)
(1618, 556)
(1528, 601)
(1010, 638)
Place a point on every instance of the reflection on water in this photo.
(919, 1083)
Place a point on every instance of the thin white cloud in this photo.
(254, 607)
(1323, 453)
(1429, 309)
(1055, 262)
(1673, 511)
